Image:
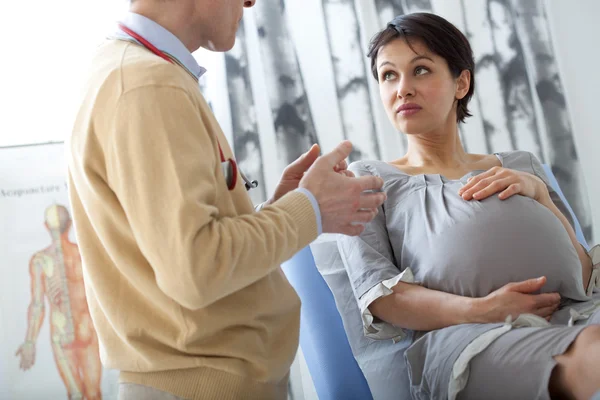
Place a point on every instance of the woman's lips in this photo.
(408, 109)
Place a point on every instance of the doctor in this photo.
(182, 275)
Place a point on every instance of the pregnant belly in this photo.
(499, 242)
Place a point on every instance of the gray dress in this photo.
(427, 234)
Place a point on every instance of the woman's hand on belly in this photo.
(515, 299)
(510, 182)
(507, 182)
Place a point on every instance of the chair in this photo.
(334, 371)
(333, 368)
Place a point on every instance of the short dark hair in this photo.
(441, 37)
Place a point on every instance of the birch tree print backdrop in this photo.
(519, 96)
(412, 6)
(294, 128)
(246, 140)
(489, 86)
(351, 78)
(532, 28)
(519, 101)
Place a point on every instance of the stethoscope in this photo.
(229, 167)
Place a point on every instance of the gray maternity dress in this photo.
(426, 234)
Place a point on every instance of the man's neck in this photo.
(176, 20)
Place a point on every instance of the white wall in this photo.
(45, 55)
(575, 34)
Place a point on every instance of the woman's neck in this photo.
(437, 150)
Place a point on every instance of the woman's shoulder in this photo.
(368, 167)
(379, 168)
(520, 160)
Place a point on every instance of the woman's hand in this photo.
(506, 181)
(515, 299)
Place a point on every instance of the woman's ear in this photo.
(463, 83)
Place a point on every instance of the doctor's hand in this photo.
(345, 206)
(293, 173)
(507, 182)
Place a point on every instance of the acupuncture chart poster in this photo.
(48, 344)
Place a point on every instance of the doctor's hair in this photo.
(440, 37)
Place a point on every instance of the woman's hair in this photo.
(441, 37)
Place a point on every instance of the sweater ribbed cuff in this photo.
(315, 204)
(300, 208)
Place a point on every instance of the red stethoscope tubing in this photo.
(162, 55)
(145, 43)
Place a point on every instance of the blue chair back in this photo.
(334, 371)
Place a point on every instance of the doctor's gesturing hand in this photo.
(293, 173)
(344, 205)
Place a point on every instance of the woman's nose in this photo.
(249, 3)
(405, 88)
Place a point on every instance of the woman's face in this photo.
(417, 89)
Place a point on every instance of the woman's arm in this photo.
(414, 307)
(586, 261)
(533, 183)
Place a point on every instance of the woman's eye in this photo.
(388, 76)
(421, 71)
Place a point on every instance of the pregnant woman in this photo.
(472, 263)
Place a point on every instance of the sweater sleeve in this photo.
(163, 165)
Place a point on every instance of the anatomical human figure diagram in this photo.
(57, 280)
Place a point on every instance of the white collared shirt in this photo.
(160, 38)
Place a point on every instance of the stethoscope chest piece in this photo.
(229, 167)
(230, 172)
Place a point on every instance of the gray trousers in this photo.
(133, 391)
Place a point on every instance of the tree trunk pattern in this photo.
(246, 140)
(488, 77)
(388, 9)
(351, 79)
(516, 74)
(294, 127)
(413, 6)
(519, 108)
(532, 28)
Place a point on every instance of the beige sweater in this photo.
(182, 276)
